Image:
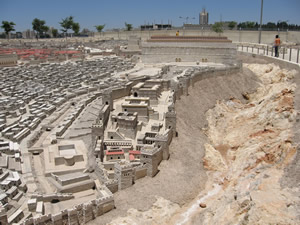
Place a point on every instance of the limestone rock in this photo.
(250, 144)
(213, 159)
(202, 205)
(160, 213)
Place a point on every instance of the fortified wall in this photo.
(188, 49)
(79, 214)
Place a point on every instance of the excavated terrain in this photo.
(182, 177)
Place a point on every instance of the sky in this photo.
(114, 13)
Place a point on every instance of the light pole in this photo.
(261, 15)
(186, 19)
(278, 25)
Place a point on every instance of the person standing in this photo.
(277, 44)
(177, 33)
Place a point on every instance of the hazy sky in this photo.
(114, 13)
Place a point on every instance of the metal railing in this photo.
(285, 53)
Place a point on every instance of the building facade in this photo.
(203, 17)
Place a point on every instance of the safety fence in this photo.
(286, 53)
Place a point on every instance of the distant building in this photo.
(203, 17)
(156, 27)
(19, 35)
(28, 34)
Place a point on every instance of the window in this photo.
(111, 137)
(111, 157)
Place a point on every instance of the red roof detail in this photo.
(131, 157)
(114, 153)
(135, 152)
(36, 52)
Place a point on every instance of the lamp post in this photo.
(278, 24)
(186, 19)
(261, 15)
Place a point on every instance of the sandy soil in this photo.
(182, 177)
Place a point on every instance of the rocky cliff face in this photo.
(250, 145)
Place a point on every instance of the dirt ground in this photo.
(182, 177)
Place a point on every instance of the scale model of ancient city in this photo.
(83, 120)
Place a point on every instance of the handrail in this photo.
(287, 53)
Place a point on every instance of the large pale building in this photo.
(203, 17)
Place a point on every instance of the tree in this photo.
(100, 27)
(218, 27)
(85, 31)
(232, 25)
(282, 25)
(128, 26)
(8, 27)
(76, 27)
(270, 25)
(250, 24)
(66, 24)
(54, 32)
(40, 27)
(241, 25)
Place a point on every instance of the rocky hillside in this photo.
(249, 146)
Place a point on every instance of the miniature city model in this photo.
(75, 132)
(134, 138)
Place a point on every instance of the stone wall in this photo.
(151, 159)
(54, 196)
(79, 214)
(181, 88)
(234, 35)
(104, 114)
(188, 52)
(140, 172)
(112, 185)
(120, 92)
(35, 136)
